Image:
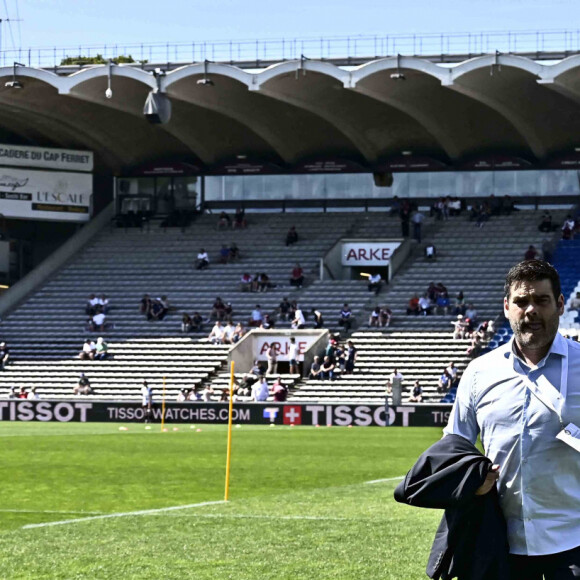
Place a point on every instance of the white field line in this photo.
(122, 514)
(189, 506)
(384, 480)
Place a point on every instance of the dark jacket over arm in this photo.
(471, 541)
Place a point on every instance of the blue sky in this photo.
(83, 22)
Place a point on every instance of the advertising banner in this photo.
(262, 345)
(368, 253)
(45, 158)
(309, 414)
(45, 195)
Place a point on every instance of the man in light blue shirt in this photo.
(518, 398)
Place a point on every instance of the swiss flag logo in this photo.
(292, 415)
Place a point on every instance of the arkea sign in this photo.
(368, 253)
(305, 414)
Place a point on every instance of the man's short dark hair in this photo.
(533, 271)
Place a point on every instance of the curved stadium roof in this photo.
(296, 110)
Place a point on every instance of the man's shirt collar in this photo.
(558, 347)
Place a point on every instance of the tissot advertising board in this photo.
(305, 414)
(45, 195)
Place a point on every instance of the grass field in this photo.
(299, 508)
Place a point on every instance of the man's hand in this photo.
(490, 479)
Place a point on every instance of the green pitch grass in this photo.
(299, 506)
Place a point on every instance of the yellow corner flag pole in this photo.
(229, 454)
(163, 407)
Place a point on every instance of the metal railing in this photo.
(343, 49)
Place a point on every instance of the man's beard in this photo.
(529, 336)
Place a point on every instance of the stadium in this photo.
(140, 184)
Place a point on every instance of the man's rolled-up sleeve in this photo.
(462, 420)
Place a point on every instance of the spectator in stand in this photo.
(186, 324)
(432, 291)
(181, 396)
(4, 355)
(299, 321)
(293, 356)
(272, 356)
(443, 303)
(293, 309)
(454, 206)
(164, 301)
(202, 260)
(207, 394)
(351, 356)
(395, 206)
(475, 346)
(459, 303)
(260, 390)
(430, 251)
(318, 318)
(228, 333)
(413, 306)
(91, 305)
(375, 282)
(224, 221)
(22, 394)
(156, 310)
(375, 316)
(327, 369)
(460, 331)
(291, 236)
(256, 317)
(238, 333)
(196, 321)
(33, 395)
(102, 348)
(345, 317)
(568, 228)
(284, 309)
(574, 304)
(104, 303)
(385, 316)
(508, 205)
(425, 305)
(89, 350)
(97, 323)
(264, 282)
(417, 394)
(418, 219)
(297, 278)
(546, 223)
(531, 253)
(218, 310)
(444, 383)
(267, 322)
(240, 219)
(471, 313)
(145, 304)
(315, 368)
(494, 205)
(84, 386)
(246, 282)
(12, 394)
(339, 360)
(451, 370)
(234, 252)
(224, 254)
(216, 336)
(279, 390)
